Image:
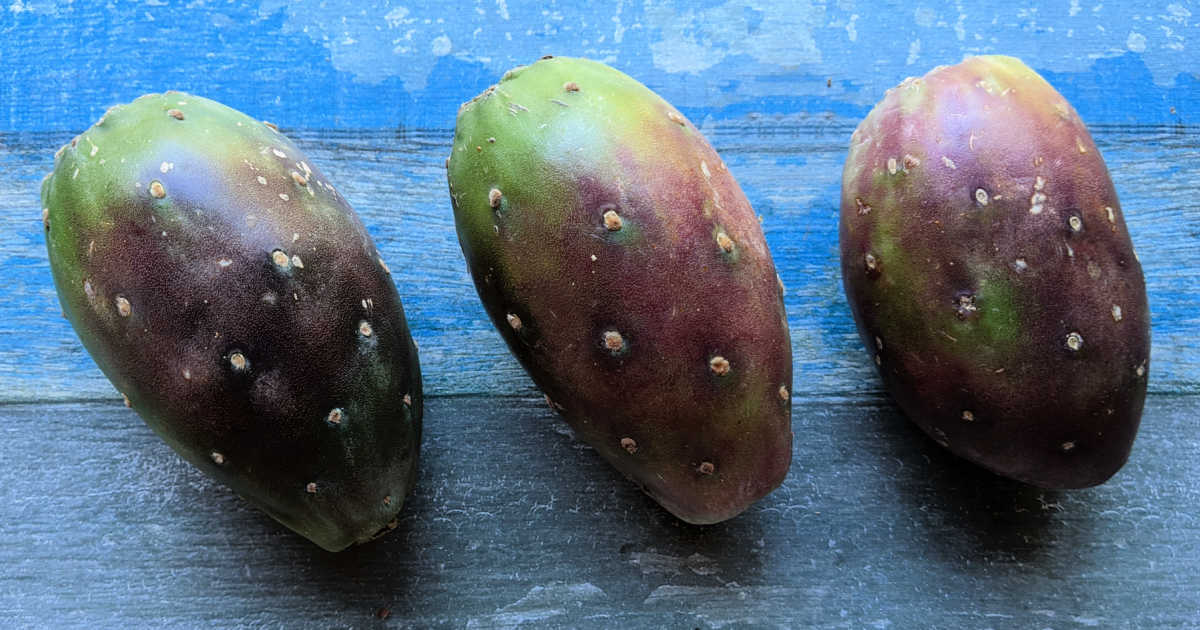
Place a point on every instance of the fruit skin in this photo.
(986, 261)
(236, 300)
(595, 221)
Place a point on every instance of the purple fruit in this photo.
(987, 263)
(230, 293)
(623, 265)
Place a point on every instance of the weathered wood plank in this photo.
(514, 522)
(382, 64)
(791, 173)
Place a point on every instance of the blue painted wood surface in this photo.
(777, 86)
(875, 524)
(387, 64)
(791, 173)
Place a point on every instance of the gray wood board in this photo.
(790, 170)
(515, 523)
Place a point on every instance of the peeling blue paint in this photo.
(379, 63)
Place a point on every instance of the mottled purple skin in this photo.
(563, 142)
(986, 261)
(235, 299)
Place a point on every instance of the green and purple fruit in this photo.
(230, 293)
(987, 263)
(627, 272)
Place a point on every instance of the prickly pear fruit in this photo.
(986, 261)
(627, 272)
(230, 292)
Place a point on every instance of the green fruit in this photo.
(225, 287)
(986, 261)
(627, 272)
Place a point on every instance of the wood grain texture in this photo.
(387, 64)
(791, 174)
(515, 524)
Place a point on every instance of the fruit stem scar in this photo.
(629, 445)
(494, 197)
(965, 305)
(514, 321)
(613, 341)
(719, 365)
(239, 362)
(724, 242)
(612, 221)
(706, 468)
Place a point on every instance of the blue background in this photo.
(381, 64)
(371, 89)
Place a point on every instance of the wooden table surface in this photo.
(514, 523)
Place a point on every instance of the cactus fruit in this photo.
(625, 269)
(986, 261)
(230, 293)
